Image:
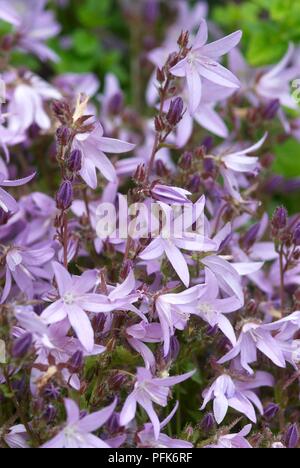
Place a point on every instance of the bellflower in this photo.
(93, 146)
(78, 431)
(146, 437)
(233, 441)
(171, 245)
(26, 106)
(237, 394)
(253, 337)
(7, 202)
(149, 390)
(201, 62)
(32, 24)
(74, 301)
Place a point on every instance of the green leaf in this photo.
(287, 162)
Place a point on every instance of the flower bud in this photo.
(175, 112)
(183, 40)
(22, 345)
(160, 75)
(292, 437)
(208, 422)
(63, 135)
(296, 236)
(280, 218)
(117, 381)
(50, 413)
(64, 195)
(116, 103)
(161, 169)
(271, 109)
(113, 424)
(76, 361)
(271, 411)
(75, 161)
(151, 11)
(208, 143)
(186, 161)
(251, 236)
(195, 184)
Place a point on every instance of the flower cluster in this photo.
(101, 335)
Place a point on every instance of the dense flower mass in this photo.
(143, 278)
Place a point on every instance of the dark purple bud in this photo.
(99, 322)
(212, 331)
(271, 411)
(22, 345)
(186, 161)
(175, 111)
(271, 109)
(62, 112)
(274, 184)
(75, 161)
(63, 135)
(76, 361)
(195, 184)
(117, 381)
(34, 131)
(250, 237)
(208, 143)
(50, 413)
(292, 185)
(116, 104)
(292, 437)
(183, 40)
(296, 236)
(280, 218)
(208, 422)
(161, 169)
(151, 11)
(209, 165)
(113, 424)
(7, 42)
(64, 195)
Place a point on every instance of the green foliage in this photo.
(268, 26)
(287, 162)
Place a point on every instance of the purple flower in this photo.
(74, 301)
(78, 432)
(170, 195)
(149, 390)
(201, 62)
(147, 439)
(7, 202)
(233, 441)
(32, 24)
(255, 336)
(93, 146)
(17, 437)
(26, 106)
(237, 394)
(26, 266)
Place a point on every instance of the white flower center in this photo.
(206, 309)
(69, 299)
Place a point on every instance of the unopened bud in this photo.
(183, 40)
(64, 197)
(161, 169)
(75, 161)
(208, 422)
(271, 109)
(76, 361)
(63, 135)
(186, 161)
(280, 218)
(195, 184)
(22, 345)
(175, 112)
(116, 103)
(292, 437)
(271, 411)
(296, 236)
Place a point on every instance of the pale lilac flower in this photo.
(201, 62)
(27, 266)
(32, 24)
(253, 337)
(171, 245)
(211, 308)
(174, 311)
(149, 390)
(227, 392)
(17, 437)
(170, 195)
(93, 146)
(74, 301)
(77, 433)
(26, 106)
(73, 84)
(233, 441)
(138, 335)
(7, 202)
(147, 439)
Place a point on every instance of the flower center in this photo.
(206, 309)
(69, 299)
